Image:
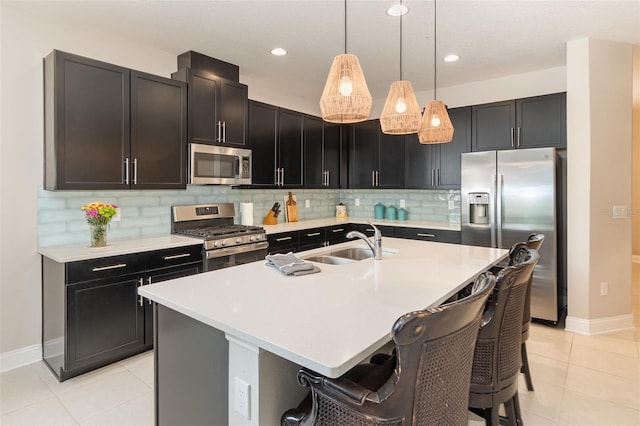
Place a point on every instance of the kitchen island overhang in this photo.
(327, 322)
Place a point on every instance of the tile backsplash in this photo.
(147, 213)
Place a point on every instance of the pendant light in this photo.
(401, 113)
(346, 97)
(436, 125)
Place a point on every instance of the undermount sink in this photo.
(344, 256)
(331, 260)
(353, 253)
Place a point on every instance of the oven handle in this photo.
(236, 250)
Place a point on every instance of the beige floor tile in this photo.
(541, 331)
(98, 396)
(606, 362)
(531, 419)
(554, 348)
(544, 369)
(48, 412)
(86, 378)
(604, 386)
(578, 409)
(142, 367)
(22, 387)
(632, 334)
(135, 412)
(543, 402)
(606, 343)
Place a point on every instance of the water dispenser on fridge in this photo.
(478, 208)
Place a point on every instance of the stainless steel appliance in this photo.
(225, 244)
(506, 195)
(219, 165)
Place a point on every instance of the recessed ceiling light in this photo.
(451, 58)
(397, 10)
(278, 51)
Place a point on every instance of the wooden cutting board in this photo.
(291, 207)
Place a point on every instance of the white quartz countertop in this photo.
(318, 223)
(74, 252)
(331, 320)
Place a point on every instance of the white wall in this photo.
(599, 140)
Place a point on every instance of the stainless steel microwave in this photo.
(219, 165)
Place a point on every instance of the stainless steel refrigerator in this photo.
(507, 195)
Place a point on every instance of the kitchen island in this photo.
(252, 327)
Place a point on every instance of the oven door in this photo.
(232, 256)
(210, 164)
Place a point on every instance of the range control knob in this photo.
(216, 243)
(252, 238)
(238, 240)
(224, 243)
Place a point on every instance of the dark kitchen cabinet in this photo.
(275, 138)
(92, 314)
(322, 144)
(283, 242)
(218, 108)
(312, 238)
(108, 127)
(423, 234)
(437, 166)
(533, 122)
(376, 160)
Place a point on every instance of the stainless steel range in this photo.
(225, 244)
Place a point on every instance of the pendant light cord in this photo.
(345, 27)
(400, 39)
(435, 44)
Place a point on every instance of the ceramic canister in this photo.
(378, 211)
(402, 214)
(391, 212)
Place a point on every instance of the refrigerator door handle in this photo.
(499, 201)
(492, 207)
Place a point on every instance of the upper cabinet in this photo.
(376, 160)
(276, 138)
(108, 127)
(534, 122)
(322, 144)
(437, 166)
(217, 108)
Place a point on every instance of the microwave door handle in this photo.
(236, 167)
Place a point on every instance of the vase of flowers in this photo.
(98, 216)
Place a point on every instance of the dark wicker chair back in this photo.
(426, 382)
(497, 361)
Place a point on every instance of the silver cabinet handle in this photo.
(283, 238)
(420, 234)
(512, 137)
(433, 177)
(176, 256)
(219, 131)
(518, 144)
(373, 178)
(337, 230)
(140, 284)
(313, 234)
(126, 171)
(105, 268)
(224, 131)
(282, 176)
(437, 177)
(135, 171)
(148, 280)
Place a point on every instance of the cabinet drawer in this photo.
(104, 267)
(283, 242)
(365, 228)
(337, 234)
(173, 256)
(311, 236)
(438, 235)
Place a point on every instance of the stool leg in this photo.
(516, 407)
(525, 366)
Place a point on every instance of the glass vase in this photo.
(98, 235)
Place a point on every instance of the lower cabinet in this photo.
(283, 242)
(92, 314)
(437, 235)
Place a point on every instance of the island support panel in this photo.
(191, 371)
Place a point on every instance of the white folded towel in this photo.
(289, 264)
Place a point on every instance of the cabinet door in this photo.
(331, 146)
(311, 238)
(104, 321)
(419, 163)
(542, 121)
(203, 98)
(314, 176)
(290, 147)
(283, 242)
(158, 132)
(232, 110)
(447, 162)
(87, 135)
(391, 161)
(262, 141)
(363, 154)
(494, 126)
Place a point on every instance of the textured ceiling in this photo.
(493, 38)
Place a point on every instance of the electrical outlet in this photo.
(242, 398)
(118, 215)
(604, 288)
(619, 212)
(452, 205)
(402, 204)
(357, 202)
(307, 203)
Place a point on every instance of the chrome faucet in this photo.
(376, 246)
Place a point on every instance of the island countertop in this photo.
(328, 321)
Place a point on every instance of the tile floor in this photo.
(579, 380)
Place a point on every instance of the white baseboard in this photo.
(635, 258)
(599, 325)
(19, 357)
